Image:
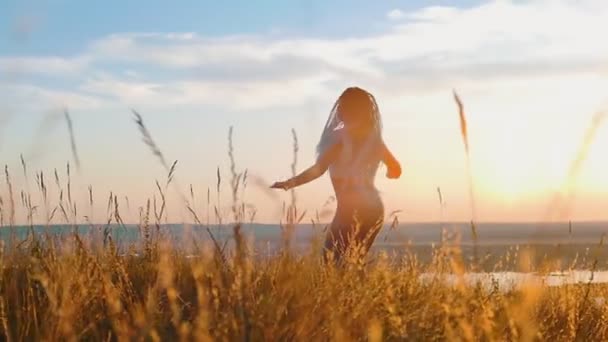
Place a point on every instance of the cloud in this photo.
(229, 95)
(46, 65)
(435, 13)
(32, 98)
(430, 49)
(395, 14)
(438, 36)
(240, 51)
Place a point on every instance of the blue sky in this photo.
(62, 27)
(195, 68)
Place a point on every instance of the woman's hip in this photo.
(363, 214)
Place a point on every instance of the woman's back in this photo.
(354, 170)
(357, 161)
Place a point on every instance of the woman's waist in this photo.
(359, 196)
(366, 208)
(354, 183)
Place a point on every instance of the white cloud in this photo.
(47, 65)
(32, 98)
(434, 13)
(494, 33)
(395, 14)
(229, 95)
(435, 48)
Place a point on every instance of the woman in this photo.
(351, 147)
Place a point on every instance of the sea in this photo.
(576, 252)
(390, 237)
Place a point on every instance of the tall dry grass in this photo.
(464, 133)
(75, 289)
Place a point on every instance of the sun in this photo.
(517, 161)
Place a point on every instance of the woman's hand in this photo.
(393, 170)
(281, 185)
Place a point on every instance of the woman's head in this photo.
(358, 110)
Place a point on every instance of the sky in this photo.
(533, 77)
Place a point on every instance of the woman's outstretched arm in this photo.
(392, 164)
(313, 172)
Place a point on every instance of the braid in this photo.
(350, 98)
(375, 113)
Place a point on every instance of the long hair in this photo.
(352, 96)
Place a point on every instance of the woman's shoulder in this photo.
(339, 137)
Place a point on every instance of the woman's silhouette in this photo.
(351, 147)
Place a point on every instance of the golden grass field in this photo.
(76, 287)
(78, 290)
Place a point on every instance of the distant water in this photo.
(572, 248)
(413, 234)
(513, 280)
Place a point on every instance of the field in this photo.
(78, 286)
(81, 290)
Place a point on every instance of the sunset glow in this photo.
(530, 92)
